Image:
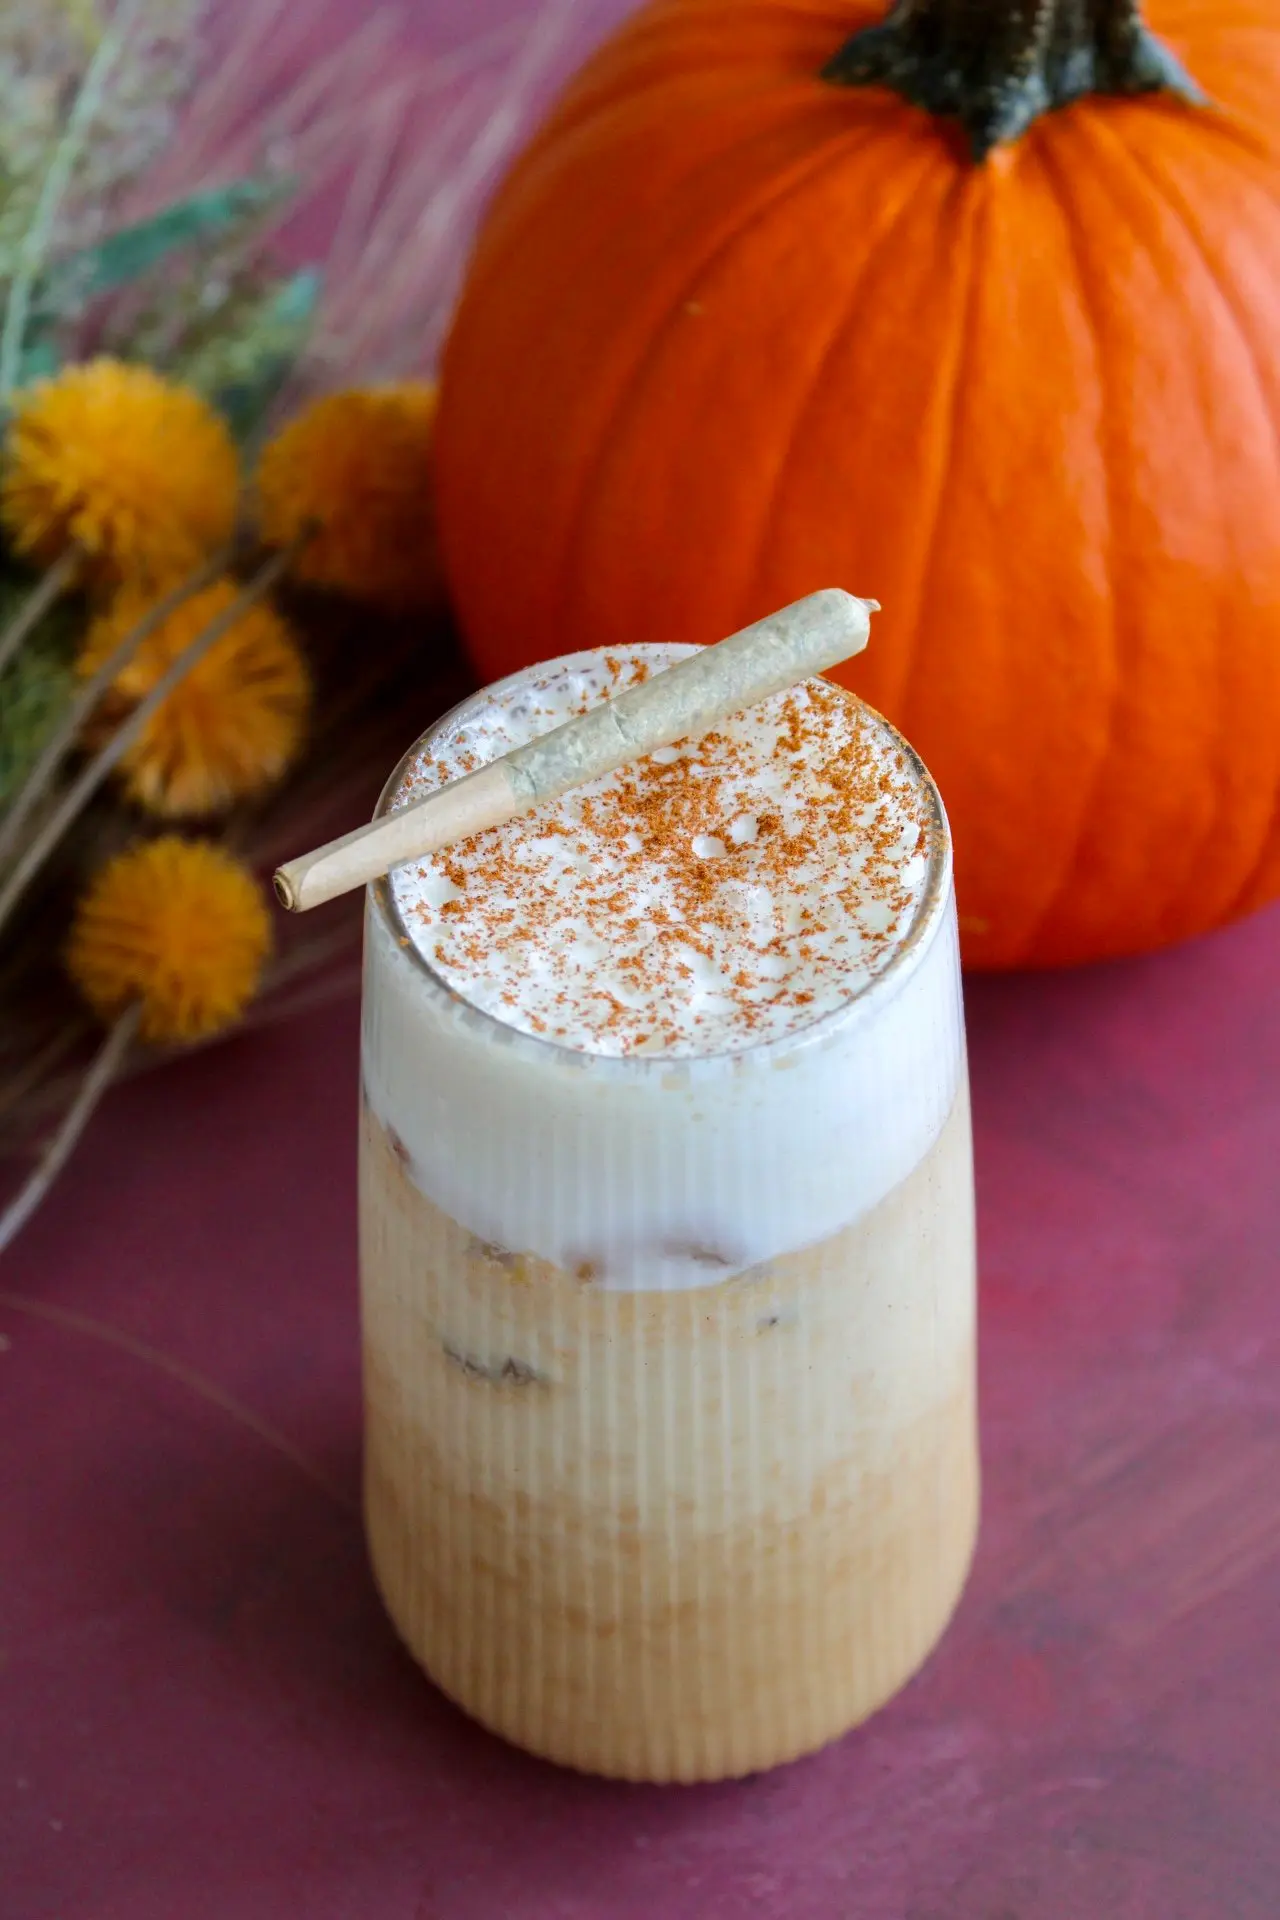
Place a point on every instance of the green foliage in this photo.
(243, 363)
(190, 289)
(39, 359)
(34, 688)
(124, 256)
(193, 297)
(47, 49)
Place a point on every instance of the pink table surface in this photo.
(204, 1713)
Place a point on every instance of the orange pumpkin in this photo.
(735, 330)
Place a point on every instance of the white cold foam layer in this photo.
(642, 1173)
(725, 891)
(653, 1175)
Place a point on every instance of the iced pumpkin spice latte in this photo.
(667, 1237)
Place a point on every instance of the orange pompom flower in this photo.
(180, 928)
(230, 727)
(351, 479)
(110, 459)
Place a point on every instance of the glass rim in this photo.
(881, 985)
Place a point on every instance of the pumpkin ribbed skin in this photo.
(732, 334)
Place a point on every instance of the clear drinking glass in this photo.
(671, 1461)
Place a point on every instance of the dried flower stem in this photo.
(299, 980)
(38, 1070)
(63, 739)
(83, 789)
(167, 1368)
(47, 589)
(60, 1148)
(35, 240)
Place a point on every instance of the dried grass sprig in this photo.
(33, 248)
(407, 143)
(388, 310)
(369, 705)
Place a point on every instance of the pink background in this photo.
(204, 1713)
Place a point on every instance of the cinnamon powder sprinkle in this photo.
(726, 891)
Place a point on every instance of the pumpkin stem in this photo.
(997, 65)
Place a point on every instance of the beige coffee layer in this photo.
(672, 1536)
